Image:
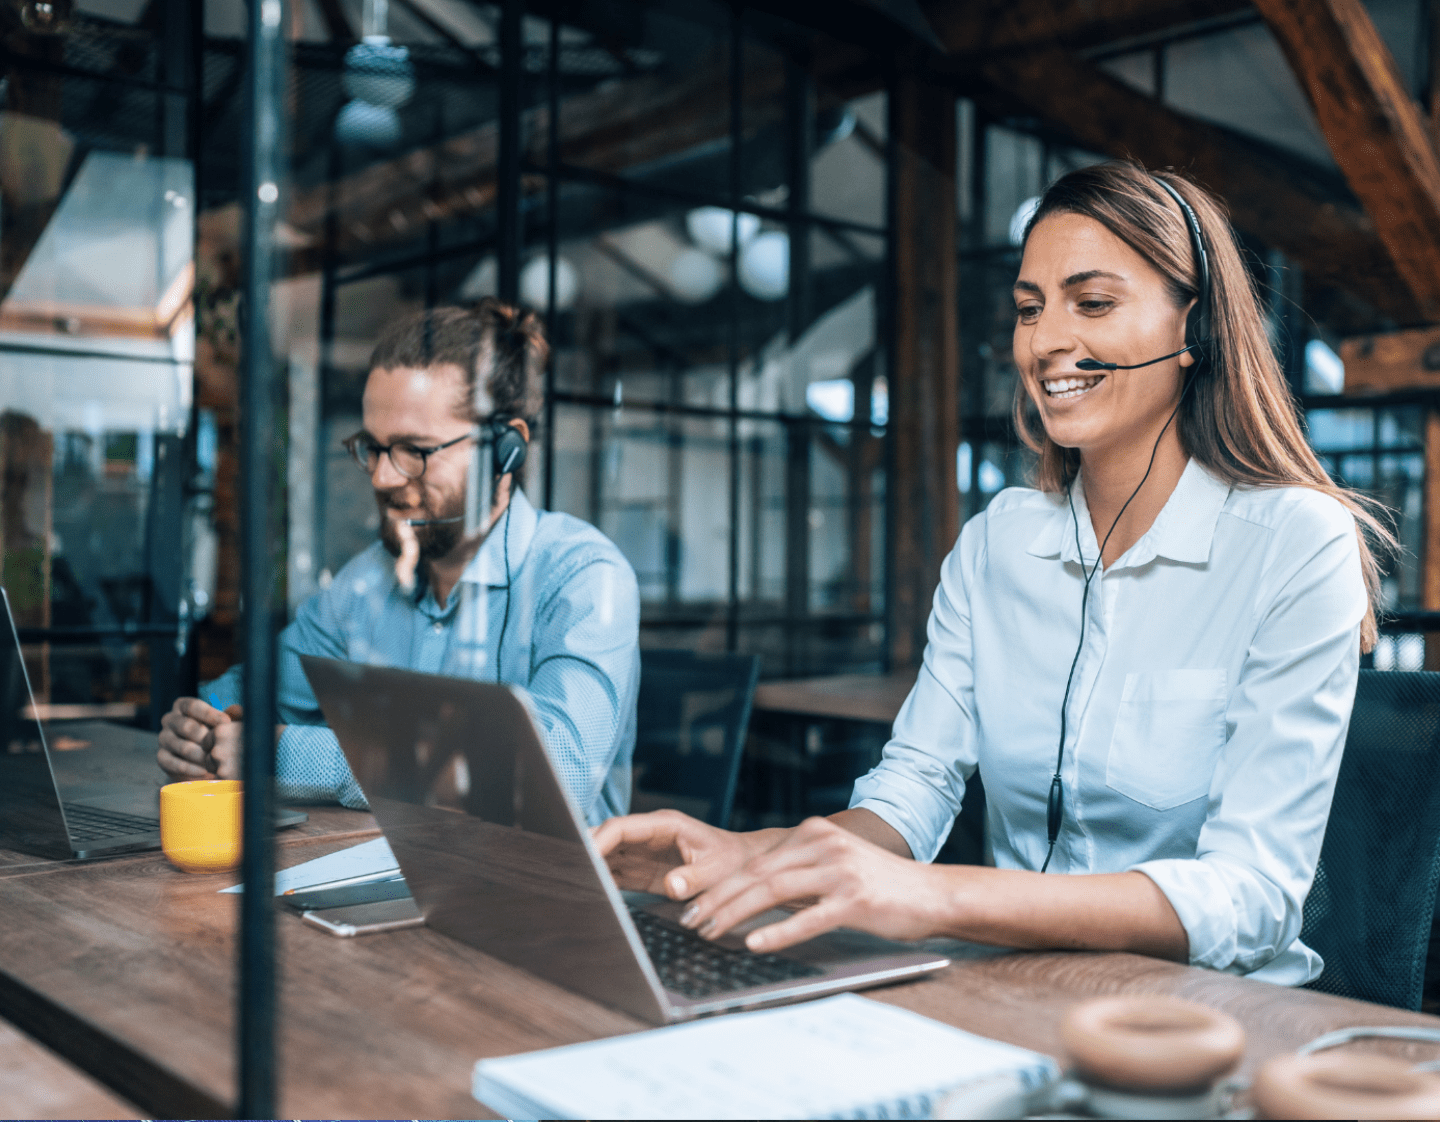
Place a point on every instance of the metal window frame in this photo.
(507, 243)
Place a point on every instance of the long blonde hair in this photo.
(1239, 420)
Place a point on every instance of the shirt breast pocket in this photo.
(1168, 734)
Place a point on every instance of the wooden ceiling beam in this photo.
(1375, 130)
(973, 27)
(1268, 195)
(337, 23)
(1392, 362)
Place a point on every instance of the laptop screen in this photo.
(30, 816)
(20, 732)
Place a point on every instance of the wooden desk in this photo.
(126, 968)
(35, 1083)
(855, 697)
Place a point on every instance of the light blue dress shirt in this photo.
(1207, 718)
(548, 603)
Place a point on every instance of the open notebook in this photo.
(840, 1057)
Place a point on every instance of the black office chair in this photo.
(1370, 911)
(690, 731)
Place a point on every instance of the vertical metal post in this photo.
(552, 249)
(976, 385)
(432, 226)
(732, 614)
(326, 358)
(887, 334)
(799, 130)
(507, 195)
(178, 66)
(261, 173)
(799, 149)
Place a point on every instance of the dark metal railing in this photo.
(1409, 623)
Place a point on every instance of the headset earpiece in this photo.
(509, 448)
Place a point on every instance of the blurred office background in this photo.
(773, 243)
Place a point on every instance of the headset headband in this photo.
(1198, 323)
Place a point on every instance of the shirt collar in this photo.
(1057, 534)
(1183, 530)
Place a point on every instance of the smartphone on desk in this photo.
(357, 909)
(367, 919)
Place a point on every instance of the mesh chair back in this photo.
(1370, 910)
(690, 731)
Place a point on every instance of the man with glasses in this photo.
(508, 593)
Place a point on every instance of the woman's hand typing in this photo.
(846, 880)
(837, 877)
(672, 854)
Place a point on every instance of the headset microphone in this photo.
(1096, 364)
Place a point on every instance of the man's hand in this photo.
(198, 741)
(672, 854)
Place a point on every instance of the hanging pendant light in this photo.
(380, 78)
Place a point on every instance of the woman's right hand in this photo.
(674, 855)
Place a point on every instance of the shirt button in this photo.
(437, 627)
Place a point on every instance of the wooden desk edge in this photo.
(127, 1072)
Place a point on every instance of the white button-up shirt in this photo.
(1206, 720)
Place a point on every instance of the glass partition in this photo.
(97, 346)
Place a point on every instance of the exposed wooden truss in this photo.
(639, 120)
(1375, 130)
(627, 124)
(1396, 360)
(970, 28)
(337, 23)
(1267, 194)
(614, 128)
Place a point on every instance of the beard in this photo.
(435, 541)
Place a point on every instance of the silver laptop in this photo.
(109, 806)
(497, 856)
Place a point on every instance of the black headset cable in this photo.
(1055, 801)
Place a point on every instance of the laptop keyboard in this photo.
(90, 824)
(698, 969)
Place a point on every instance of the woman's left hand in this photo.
(852, 882)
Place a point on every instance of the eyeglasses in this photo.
(408, 459)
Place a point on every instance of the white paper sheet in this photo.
(370, 860)
(842, 1057)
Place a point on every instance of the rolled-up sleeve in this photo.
(1240, 899)
(919, 783)
(309, 763)
(585, 672)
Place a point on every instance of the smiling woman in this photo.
(1150, 244)
(1150, 658)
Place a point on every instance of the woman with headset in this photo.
(1150, 657)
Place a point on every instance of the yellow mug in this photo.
(200, 824)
